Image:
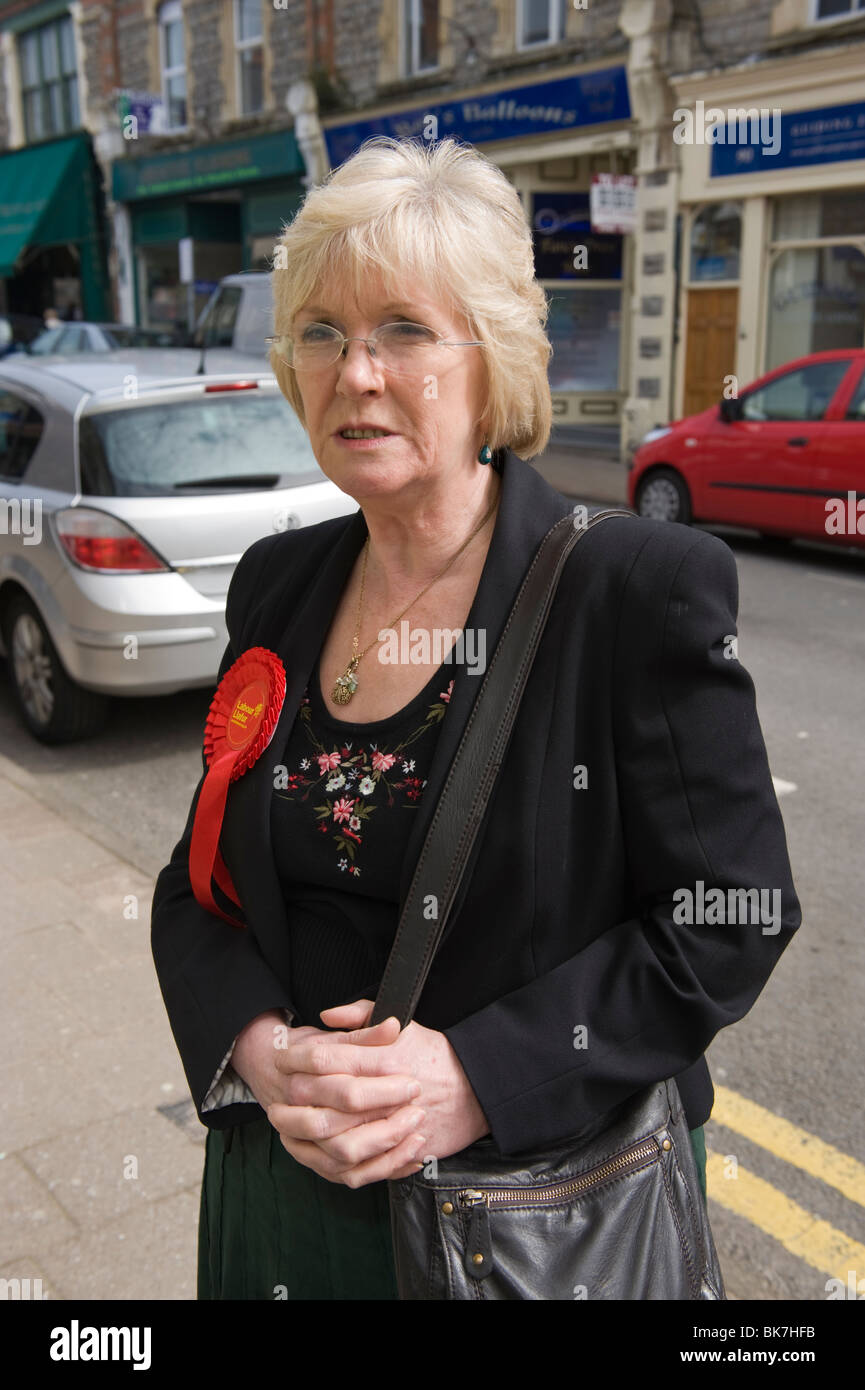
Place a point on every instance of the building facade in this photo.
(190, 129)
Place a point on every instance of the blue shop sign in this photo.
(560, 223)
(825, 135)
(584, 99)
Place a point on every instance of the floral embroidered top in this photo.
(342, 811)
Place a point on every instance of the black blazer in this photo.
(567, 916)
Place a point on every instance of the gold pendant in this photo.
(345, 686)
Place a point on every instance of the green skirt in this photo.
(271, 1228)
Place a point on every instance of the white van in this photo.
(238, 316)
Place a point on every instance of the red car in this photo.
(787, 456)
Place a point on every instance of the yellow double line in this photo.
(822, 1246)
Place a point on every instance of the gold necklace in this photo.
(346, 684)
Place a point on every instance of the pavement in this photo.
(584, 473)
(101, 1152)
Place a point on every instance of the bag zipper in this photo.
(478, 1201)
(492, 1197)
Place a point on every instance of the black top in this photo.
(344, 802)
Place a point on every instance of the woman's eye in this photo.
(416, 332)
(316, 333)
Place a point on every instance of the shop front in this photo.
(773, 227)
(550, 137)
(197, 215)
(52, 231)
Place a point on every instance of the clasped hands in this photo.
(361, 1105)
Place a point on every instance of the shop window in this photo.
(250, 55)
(49, 81)
(20, 431)
(816, 302)
(840, 212)
(804, 394)
(172, 57)
(716, 235)
(584, 327)
(540, 21)
(420, 35)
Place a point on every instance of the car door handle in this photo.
(799, 442)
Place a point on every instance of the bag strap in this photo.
(473, 773)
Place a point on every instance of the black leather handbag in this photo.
(612, 1212)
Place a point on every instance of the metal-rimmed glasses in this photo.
(401, 348)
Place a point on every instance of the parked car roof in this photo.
(93, 373)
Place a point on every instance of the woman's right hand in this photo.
(260, 1058)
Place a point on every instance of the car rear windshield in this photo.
(231, 441)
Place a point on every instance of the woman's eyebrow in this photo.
(400, 307)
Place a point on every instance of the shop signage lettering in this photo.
(580, 100)
(825, 135)
(207, 167)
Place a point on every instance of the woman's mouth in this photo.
(370, 438)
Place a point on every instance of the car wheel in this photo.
(54, 708)
(663, 496)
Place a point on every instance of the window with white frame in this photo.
(540, 21)
(837, 9)
(250, 55)
(49, 80)
(420, 35)
(172, 59)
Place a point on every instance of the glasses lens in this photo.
(397, 345)
(316, 346)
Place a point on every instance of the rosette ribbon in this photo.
(240, 724)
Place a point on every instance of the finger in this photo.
(317, 1123)
(327, 1054)
(373, 1170)
(354, 1015)
(285, 1056)
(353, 1094)
(340, 1136)
(387, 1165)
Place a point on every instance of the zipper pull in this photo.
(478, 1259)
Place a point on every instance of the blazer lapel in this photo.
(246, 835)
(527, 509)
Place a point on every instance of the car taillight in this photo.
(96, 541)
(232, 386)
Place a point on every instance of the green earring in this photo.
(486, 454)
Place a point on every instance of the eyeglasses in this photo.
(401, 348)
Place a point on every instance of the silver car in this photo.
(127, 497)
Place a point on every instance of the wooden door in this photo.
(710, 346)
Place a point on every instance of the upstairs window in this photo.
(49, 81)
(539, 22)
(250, 55)
(421, 37)
(172, 58)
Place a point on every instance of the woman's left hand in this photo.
(356, 1155)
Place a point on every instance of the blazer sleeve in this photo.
(213, 978)
(699, 811)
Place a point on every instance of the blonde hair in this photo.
(444, 214)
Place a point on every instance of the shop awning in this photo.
(40, 197)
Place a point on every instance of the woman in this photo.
(567, 977)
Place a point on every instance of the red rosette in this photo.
(240, 724)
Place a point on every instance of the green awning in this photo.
(41, 199)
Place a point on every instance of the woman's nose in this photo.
(357, 362)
